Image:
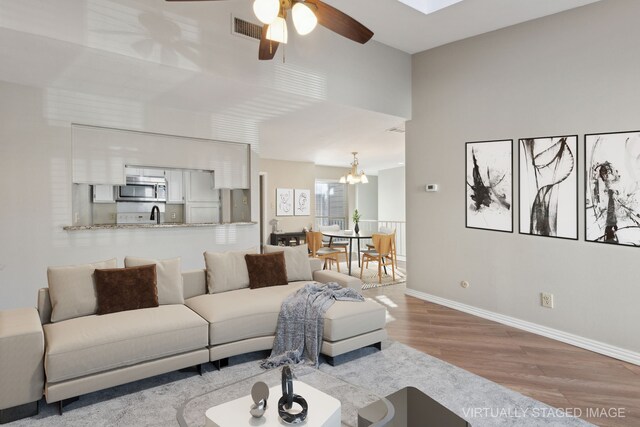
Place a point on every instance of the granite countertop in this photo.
(137, 226)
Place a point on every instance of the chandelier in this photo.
(269, 12)
(352, 177)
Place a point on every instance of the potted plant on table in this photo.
(356, 219)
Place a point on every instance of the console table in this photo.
(288, 239)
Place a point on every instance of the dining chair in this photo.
(394, 254)
(331, 243)
(330, 255)
(381, 253)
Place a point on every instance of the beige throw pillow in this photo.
(72, 289)
(226, 271)
(296, 259)
(169, 278)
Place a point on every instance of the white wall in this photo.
(35, 171)
(574, 72)
(391, 194)
(367, 198)
(201, 60)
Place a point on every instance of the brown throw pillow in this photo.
(121, 289)
(266, 270)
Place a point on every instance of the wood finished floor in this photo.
(555, 373)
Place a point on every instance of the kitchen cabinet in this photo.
(103, 194)
(131, 171)
(137, 171)
(156, 173)
(201, 187)
(202, 213)
(175, 186)
(99, 156)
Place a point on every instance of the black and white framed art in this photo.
(284, 202)
(489, 185)
(548, 186)
(612, 188)
(302, 200)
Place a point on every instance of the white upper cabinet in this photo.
(100, 155)
(131, 171)
(201, 187)
(103, 194)
(175, 186)
(156, 173)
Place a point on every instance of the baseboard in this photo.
(576, 340)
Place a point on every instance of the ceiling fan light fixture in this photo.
(303, 18)
(277, 31)
(266, 10)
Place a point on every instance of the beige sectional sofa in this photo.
(93, 352)
(245, 320)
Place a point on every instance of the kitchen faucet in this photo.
(155, 209)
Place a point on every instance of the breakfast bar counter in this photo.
(137, 226)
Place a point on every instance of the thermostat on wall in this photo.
(431, 187)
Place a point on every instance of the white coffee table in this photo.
(324, 410)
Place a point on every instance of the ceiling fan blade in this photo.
(341, 23)
(267, 48)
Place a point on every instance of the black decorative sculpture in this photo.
(285, 404)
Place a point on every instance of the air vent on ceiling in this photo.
(396, 129)
(244, 28)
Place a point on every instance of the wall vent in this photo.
(244, 28)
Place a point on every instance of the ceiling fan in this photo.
(306, 14)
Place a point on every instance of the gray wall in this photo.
(574, 72)
(392, 194)
(367, 198)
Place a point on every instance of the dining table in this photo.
(343, 234)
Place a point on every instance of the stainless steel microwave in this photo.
(143, 189)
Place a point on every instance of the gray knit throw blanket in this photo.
(301, 323)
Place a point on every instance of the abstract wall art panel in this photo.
(302, 202)
(284, 202)
(612, 188)
(548, 186)
(489, 185)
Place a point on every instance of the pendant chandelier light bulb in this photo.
(303, 18)
(277, 31)
(266, 10)
(353, 177)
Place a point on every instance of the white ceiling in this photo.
(398, 25)
(56, 45)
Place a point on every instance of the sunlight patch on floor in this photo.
(383, 299)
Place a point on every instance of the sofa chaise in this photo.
(90, 352)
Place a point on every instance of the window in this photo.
(331, 204)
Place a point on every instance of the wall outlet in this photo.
(173, 215)
(112, 216)
(76, 218)
(546, 299)
(465, 284)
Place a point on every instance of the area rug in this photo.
(370, 275)
(180, 398)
